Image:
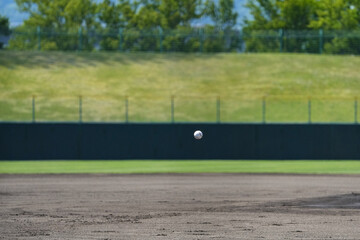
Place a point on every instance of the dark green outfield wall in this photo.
(27, 141)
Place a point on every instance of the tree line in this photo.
(168, 25)
(128, 25)
(304, 25)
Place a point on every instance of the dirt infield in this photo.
(179, 206)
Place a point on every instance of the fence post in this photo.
(264, 110)
(201, 40)
(120, 39)
(355, 110)
(160, 38)
(172, 109)
(80, 109)
(281, 39)
(240, 41)
(309, 110)
(38, 32)
(126, 109)
(321, 40)
(218, 110)
(33, 109)
(80, 39)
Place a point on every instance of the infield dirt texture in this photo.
(179, 206)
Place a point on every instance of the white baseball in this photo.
(198, 134)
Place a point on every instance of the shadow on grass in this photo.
(31, 59)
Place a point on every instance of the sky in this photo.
(9, 9)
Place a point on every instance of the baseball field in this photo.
(167, 199)
(179, 206)
(180, 199)
(179, 119)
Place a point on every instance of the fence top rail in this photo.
(175, 123)
(117, 31)
(182, 97)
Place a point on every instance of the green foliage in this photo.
(307, 16)
(59, 21)
(341, 45)
(165, 25)
(120, 15)
(303, 15)
(275, 15)
(222, 13)
(4, 28)
(295, 14)
(182, 39)
(148, 16)
(144, 25)
(109, 15)
(179, 12)
(339, 15)
(262, 41)
(59, 14)
(265, 15)
(23, 38)
(280, 14)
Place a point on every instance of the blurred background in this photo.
(179, 61)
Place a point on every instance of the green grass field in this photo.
(103, 80)
(213, 166)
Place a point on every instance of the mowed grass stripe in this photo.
(182, 166)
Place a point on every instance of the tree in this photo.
(189, 10)
(4, 28)
(339, 15)
(109, 15)
(287, 15)
(126, 25)
(265, 14)
(276, 14)
(57, 19)
(220, 37)
(113, 17)
(149, 15)
(332, 16)
(222, 13)
(295, 14)
(179, 12)
(124, 21)
(59, 13)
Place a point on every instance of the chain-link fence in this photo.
(124, 40)
(186, 40)
(316, 41)
(180, 109)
